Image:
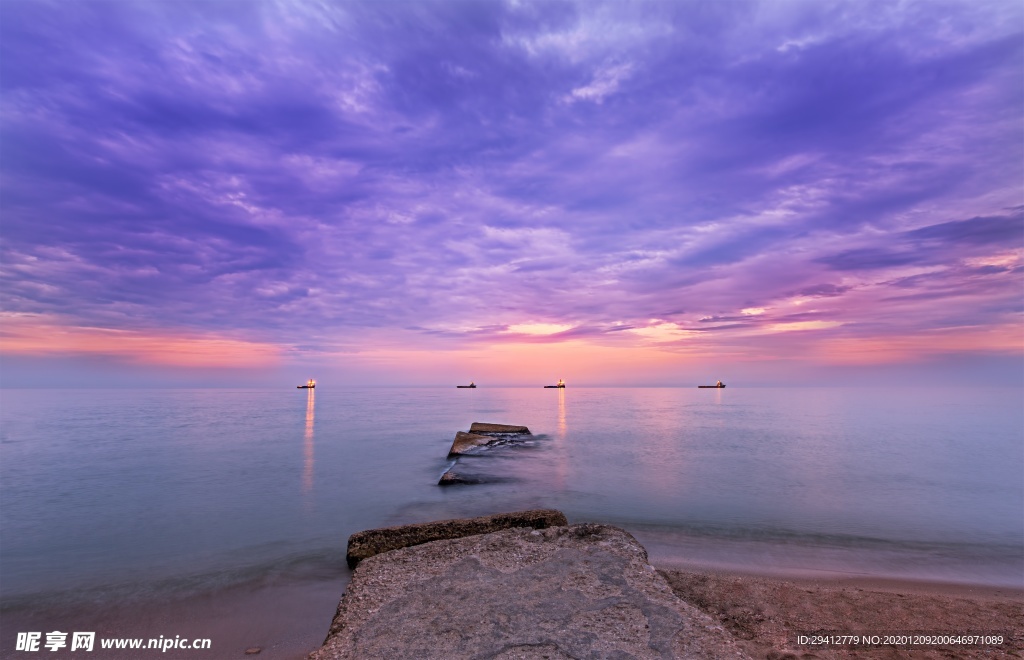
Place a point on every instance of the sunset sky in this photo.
(425, 193)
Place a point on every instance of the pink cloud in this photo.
(42, 336)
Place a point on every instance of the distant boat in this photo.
(560, 386)
(308, 386)
(471, 386)
(717, 386)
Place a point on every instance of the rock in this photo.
(485, 428)
(466, 441)
(581, 591)
(483, 433)
(375, 541)
(451, 478)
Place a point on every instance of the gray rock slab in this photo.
(368, 543)
(580, 591)
(486, 427)
(466, 441)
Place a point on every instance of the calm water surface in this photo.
(121, 494)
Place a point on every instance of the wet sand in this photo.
(285, 619)
(289, 619)
(768, 613)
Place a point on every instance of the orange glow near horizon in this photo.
(619, 358)
(908, 348)
(527, 363)
(36, 335)
(747, 350)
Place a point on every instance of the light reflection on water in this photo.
(561, 414)
(307, 443)
(142, 488)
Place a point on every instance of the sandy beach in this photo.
(767, 613)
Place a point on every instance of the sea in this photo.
(121, 500)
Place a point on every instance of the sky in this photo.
(426, 193)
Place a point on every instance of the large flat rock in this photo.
(484, 433)
(580, 591)
(486, 427)
(463, 442)
(375, 541)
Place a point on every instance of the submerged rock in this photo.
(451, 478)
(581, 591)
(375, 541)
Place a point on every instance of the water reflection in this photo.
(561, 413)
(307, 445)
(561, 458)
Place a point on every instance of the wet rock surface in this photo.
(465, 441)
(362, 545)
(580, 591)
(484, 433)
(486, 427)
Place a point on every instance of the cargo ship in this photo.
(308, 386)
(471, 386)
(560, 386)
(717, 386)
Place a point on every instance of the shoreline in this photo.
(289, 618)
(815, 577)
(1003, 569)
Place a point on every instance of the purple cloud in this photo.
(456, 168)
